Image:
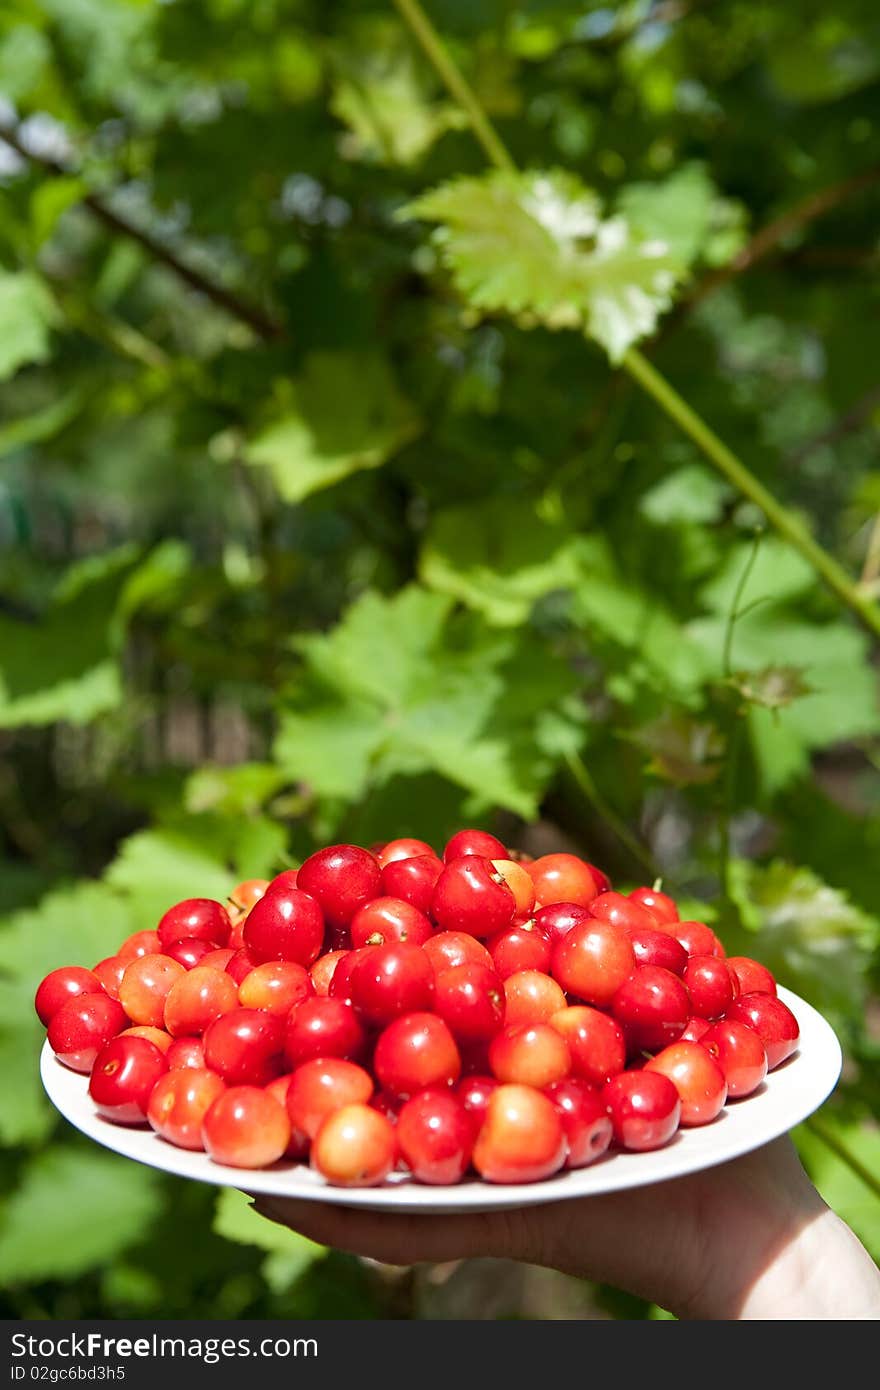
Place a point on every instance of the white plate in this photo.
(789, 1094)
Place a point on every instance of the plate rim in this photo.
(818, 1061)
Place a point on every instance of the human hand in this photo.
(751, 1239)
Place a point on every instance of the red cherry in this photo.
(414, 1053)
(622, 912)
(595, 1040)
(323, 1085)
(122, 1078)
(140, 943)
(355, 1147)
(531, 997)
(298, 1144)
(219, 958)
(585, 1120)
(340, 986)
(449, 948)
(593, 960)
(660, 904)
(412, 880)
(109, 972)
(286, 924)
(435, 1136)
(652, 947)
(186, 1052)
(695, 1029)
(323, 1028)
(470, 1000)
(390, 919)
(322, 971)
(276, 986)
(342, 878)
(401, 849)
(470, 896)
(557, 919)
(739, 1053)
(522, 1138)
(246, 1127)
(245, 1047)
(697, 939)
(752, 977)
(146, 985)
(652, 1007)
(157, 1036)
(196, 998)
(519, 882)
(696, 1076)
(243, 897)
(474, 1092)
(67, 982)
(82, 1026)
(773, 1021)
(562, 878)
(240, 964)
(473, 842)
(390, 981)
(711, 985)
(195, 917)
(189, 952)
(179, 1102)
(531, 1054)
(645, 1109)
(520, 947)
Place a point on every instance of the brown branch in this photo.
(764, 242)
(262, 324)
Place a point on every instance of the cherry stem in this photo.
(637, 365)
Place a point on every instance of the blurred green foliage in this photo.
(324, 514)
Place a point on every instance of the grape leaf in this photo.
(75, 925)
(26, 316)
(66, 666)
(314, 444)
(499, 558)
(74, 1210)
(402, 686)
(676, 209)
(809, 934)
(288, 1253)
(536, 243)
(25, 1114)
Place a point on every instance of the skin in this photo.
(751, 1239)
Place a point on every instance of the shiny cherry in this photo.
(520, 947)
(323, 1028)
(246, 1127)
(470, 1000)
(652, 1007)
(392, 980)
(285, 924)
(415, 1052)
(711, 985)
(473, 842)
(195, 917)
(773, 1021)
(435, 1135)
(342, 878)
(67, 982)
(592, 961)
(245, 1047)
(471, 896)
(412, 880)
(739, 1053)
(585, 1120)
(179, 1102)
(390, 919)
(645, 1109)
(696, 1076)
(122, 1078)
(595, 1040)
(522, 1138)
(562, 878)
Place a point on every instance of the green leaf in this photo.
(202, 857)
(74, 1210)
(382, 96)
(25, 1114)
(25, 53)
(810, 935)
(314, 443)
(26, 315)
(290, 1254)
(777, 573)
(843, 1189)
(42, 424)
(400, 686)
(66, 666)
(677, 210)
(499, 558)
(50, 201)
(536, 243)
(74, 925)
(691, 493)
(238, 791)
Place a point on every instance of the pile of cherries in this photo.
(392, 1010)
